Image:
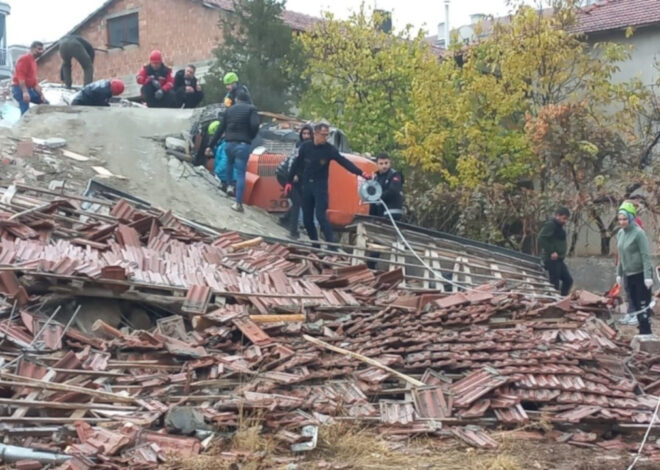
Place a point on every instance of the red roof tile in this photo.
(618, 14)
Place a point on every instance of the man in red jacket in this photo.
(26, 87)
(157, 83)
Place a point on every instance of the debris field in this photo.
(239, 326)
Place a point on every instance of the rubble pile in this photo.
(238, 326)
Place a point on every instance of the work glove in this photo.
(619, 281)
(159, 94)
(648, 283)
(287, 189)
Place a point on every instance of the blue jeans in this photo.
(238, 154)
(17, 93)
(315, 201)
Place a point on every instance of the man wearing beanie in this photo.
(552, 240)
(157, 83)
(634, 267)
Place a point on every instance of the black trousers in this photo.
(640, 297)
(294, 211)
(559, 275)
(73, 49)
(149, 95)
(188, 100)
(315, 200)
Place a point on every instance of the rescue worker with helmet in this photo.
(233, 88)
(391, 181)
(98, 93)
(157, 82)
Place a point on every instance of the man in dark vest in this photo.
(157, 83)
(75, 47)
(392, 183)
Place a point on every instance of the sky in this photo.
(48, 20)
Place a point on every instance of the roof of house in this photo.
(618, 14)
(606, 15)
(297, 21)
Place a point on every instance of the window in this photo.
(123, 30)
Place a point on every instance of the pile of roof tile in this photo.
(228, 340)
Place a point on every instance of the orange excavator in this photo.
(276, 140)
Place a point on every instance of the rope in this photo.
(646, 435)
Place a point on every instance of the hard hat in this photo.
(629, 207)
(213, 127)
(156, 56)
(230, 78)
(117, 87)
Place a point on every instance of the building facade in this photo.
(5, 63)
(124, 32)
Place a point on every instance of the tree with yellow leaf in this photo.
(360, 77)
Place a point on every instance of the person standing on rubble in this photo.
(391, 181)
(157, 82)
(552, 239)
(239, 127)
(76, 47)
(233, 88)
(186, 88)
(25, 85)
(98, 93)
(292, 216)
(634, 267)
(313, 163)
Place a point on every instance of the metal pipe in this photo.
(446, 24)
(15, 453)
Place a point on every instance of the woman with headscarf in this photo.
(634, 266)
(294, 191)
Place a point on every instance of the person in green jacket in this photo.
(634, 267)
(552, 240)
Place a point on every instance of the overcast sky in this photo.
(47, 20)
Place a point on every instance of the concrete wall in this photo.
(183, 30)
(597, 274)
(645, 44)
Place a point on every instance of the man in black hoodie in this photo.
(313, 163)
(290, 219)
(75, 47)
(239, 127)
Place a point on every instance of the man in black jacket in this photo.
(552, 240)
(98, 93)
(392, 183)
(188, 92)
(75, 47)
(239, 127)
(313, 163)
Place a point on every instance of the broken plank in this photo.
(360, 357)
(19, 381)
(246, 244)
(75, 156)
(287, 318)
(17, 402)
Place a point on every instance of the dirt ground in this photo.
(128, 142)
(340, 448)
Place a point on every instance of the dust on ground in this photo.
(128, 142)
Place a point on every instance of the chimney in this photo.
(477, 17)
(384, 20)
(446, 24)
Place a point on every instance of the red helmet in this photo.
(117, 87)
(156, 56)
